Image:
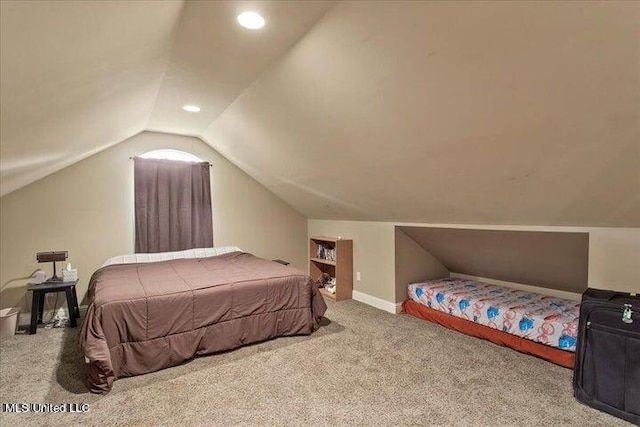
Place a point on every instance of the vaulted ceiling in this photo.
(78, 77)
(450, 112)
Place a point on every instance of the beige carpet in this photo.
(364, 367)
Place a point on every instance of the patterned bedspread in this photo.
(541, 318)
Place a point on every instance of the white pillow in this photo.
(165, 256)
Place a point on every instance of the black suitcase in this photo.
(606, 374)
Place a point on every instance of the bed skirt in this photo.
(523, 345)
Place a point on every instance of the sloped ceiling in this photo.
(214, 59)
(451, 112)
(78, 77)
(555, 260)
(75, 78)
(454, 112)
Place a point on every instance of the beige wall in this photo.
(413, 263)
(614, 253)
(87, 209)
(373, 253)
(550, 260)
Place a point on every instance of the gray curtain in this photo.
(172, 205)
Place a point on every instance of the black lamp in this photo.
(52, 257)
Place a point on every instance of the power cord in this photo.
(55, 306)
(19, 278)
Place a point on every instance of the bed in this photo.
(152, 311)
(532, 323)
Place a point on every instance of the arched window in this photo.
(167, 154)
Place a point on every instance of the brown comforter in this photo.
(149, 316)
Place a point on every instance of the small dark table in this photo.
(37, 306)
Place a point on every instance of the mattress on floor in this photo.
(541, 318)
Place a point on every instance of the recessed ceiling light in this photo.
(191, 108)
(251, 20)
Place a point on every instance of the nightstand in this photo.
(42, 289)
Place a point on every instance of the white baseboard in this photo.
(376, 302)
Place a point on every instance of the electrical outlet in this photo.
(358, 276)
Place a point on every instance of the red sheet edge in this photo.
(523, 345)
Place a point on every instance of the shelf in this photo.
(327, 294)
(325, 239)
(323, 261)
(340, 268)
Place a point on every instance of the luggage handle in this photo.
(608, 295)
(623, 295)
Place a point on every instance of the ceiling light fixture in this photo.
(191, 108)
(251, 20)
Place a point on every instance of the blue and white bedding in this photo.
(541, 318)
